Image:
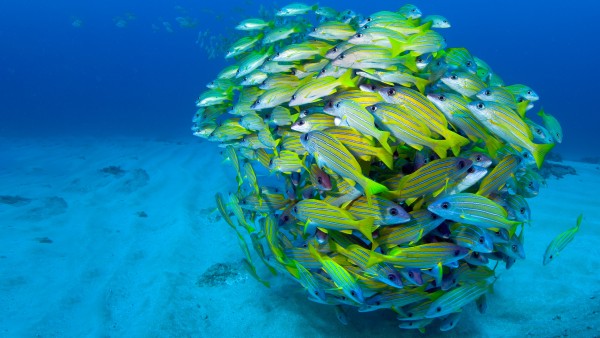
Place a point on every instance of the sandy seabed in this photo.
(120, 238)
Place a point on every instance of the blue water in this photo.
(100, 79)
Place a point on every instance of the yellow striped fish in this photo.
(560, 242)
(340, 276)
(425, 256)
(330, 152)
(416, 104)
(473, 209)
(506, 124)
(431, 178)
(359, 145)
(499, 175)
(316, 213)
(455, 299)
(408, 128)
(421, 223)
(383, 211)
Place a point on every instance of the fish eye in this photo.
(454, 77)
(393, 211)
(481, 240)
(526, 155)
(445, 205)
(278, 54)
(442, 98)
(293, 97)
(456, 252)
(373, 87)
(438, 309)
(319, 180)
(480, 105)
(478, 158)
(471, 170)
(392, 277)
(369, 19)
(315, 29)
(411, 274)
(530, 185)
(520, 99)
(337, 105)
(287, 218)
(271, 162)
(391, 92)
(359, 35)
(300, 122)
(353, 293)
(487, 92)
(476, 254)
(522, 210)
(334, 49)
(461, 164)
(373, 108)
(341, 57)
(445, 21)
(413, 10)
(514, 248)
(419, 59)
(316, 292)
(469, 63)
(295, 210)
(529, 92)
(305, 137)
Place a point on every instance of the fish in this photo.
(332, 30)
(473, 209)
(405, 127)
(432, 178)
(330, 152)
(424, 256)
(560, 242)
(552, 125)
(420, 224)
(253, 24)
(316, 89)
(437, 21)
(313, 122)
(506, 167)
(316, 213)
(296, 9)
(352, 114)
(360, 146)
(418, 105)
(382, 211)
(464, 83)
(523, 91)
(340, 276)
(506, 124)
(453, 300)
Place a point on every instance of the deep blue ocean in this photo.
(130, 68)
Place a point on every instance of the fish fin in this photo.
(365, 226)
(411, 200)
(440, 147)
(540, 151)
(383, 139)
(374, 258)
(455, 140)
(425, 27)
(522, 108)
(386, 157)
(309, 227)
(397, 47)
(346, 79)
(421, 84)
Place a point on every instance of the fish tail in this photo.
(373, 188)
(397, 48)
(374, 258)
(346, 79)
(440, 147)
(456, 141)
(493, 145)
(539, 151)
(386, 157)
(425, 27)
(383, 139)
(365, 226)
(522, 108)
(421, 84)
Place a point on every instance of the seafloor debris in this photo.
(222, 274)
(141, 214)
(14, 200)
(377, 167)
(591, 159)
(557, 170)
(113, 170)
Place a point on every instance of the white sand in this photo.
(110, 272)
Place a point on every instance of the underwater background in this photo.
(113, 231)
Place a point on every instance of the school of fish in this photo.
(377, 167)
